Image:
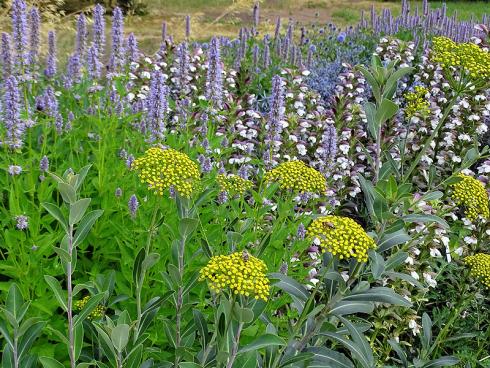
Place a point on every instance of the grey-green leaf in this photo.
(77, 210)
(263, 341)
(120, 337)
(59, 294)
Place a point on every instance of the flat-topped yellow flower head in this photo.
(341, 236)
(417, 104)
(298, 177)
(165, 169)
(480, 267)
(468, 56)
(233, 184)
(470, 193)
(240, 272)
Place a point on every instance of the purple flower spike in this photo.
(187, 27)
(81, 35)
(99, 30)
(93, 64)
(6, 55)
(133, 54)
(34, 24)
(15, 170)
(50, 70)
(301, 232)
(117, 57)
(133, 205)
(22, 222)
(214, 80)
(118, 193)
(11, 114)
(276, 116)
(44, 164)
(19, 32)
(157, 106)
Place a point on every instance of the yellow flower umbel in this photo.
(480, 267)
(233, 184)
(239, 272)
(298, 177)
(474, 60)
(417, 104)
(470, 193)
(341, 236)
(163, 169)
(98, 311)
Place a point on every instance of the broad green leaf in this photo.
(187, 226)
(398, 350)
(81, 176)
(14, 300)
(377, 264)
(120, 337)
(85, 226)
(78, 340)
(298, 358)
(263, 341)
(355, 349)
(202, 327)
(447, 361)
(386, 111)
(427, 330)
(55, 211)
(380, 295)
(48, 362)
(425, 218)
(373, 124)
(291, 286)
(324, 357)
(30, 335)
(345, 307)
(59, 294)
(77, 210)
(395, 260)
(5, 333)
(67, 192)
(390, 240)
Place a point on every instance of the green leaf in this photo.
(48, 362)
(380, 295)
(150, 260)
(187, 226)
(14, 300)
(263, 341)
(137, 266)
(5, 333)
(189, 365)
(345, 307)
(356, 351)
(81, 176)
(77, 210)
(373, 124)
(290, 286)
(386, 111)
(395, 260)
(120, 337)
(202, 327)
(78, 340)
(425, 218)
(245, 315)
(446, 361)
(324, 357)
(89, 307)
(59, 294)
(427, 329)
(391, 83)
(390, 240)
(85, 226)
(432, 196)
(67, 192)
(398, 350)
(377, 264)
(403, 276)
(298, 358)
(30, 335)
(106, 345)
(55, 211)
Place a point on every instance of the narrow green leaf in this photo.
(77, 210)
(345, 307)
(390, 240)
(380, 295)
(67, 192)
(263, 341)
(55, 211)
(425, 218)
(85, 226)
(78, 340)
(59, 294)
(291, 286)
(398, 350)
(48, 362)
(14, 300)
(5, 333)
(120, 337)
(31, 334)
(446, 361)
(324, 357)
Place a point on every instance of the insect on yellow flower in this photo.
(341, 236)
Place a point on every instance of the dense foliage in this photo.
(312, 198)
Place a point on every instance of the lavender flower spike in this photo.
(6, 55)
(44, 164)
(214, 80)
(117, 57)
(34, 24)
(81, 35)
(157, 106)
(15, 170)
(22, 222)
(11, 114)
(133, 205)
(93, 63)
(133, 53)
(19, 32)
(187, 27)
(50, 70)
(99, 30)
(276, 116)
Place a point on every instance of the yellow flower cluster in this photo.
(416, 102)
(98, 311)
(480, 267)
(471, 193)
(232, 184)
(242, 273)
(468, 56)
(297, 176)
(163, 169)
(341, 236)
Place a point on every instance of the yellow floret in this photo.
(165, 169)
(98, 311)
(298, 177)
(341, 236)
(480, 267)
(470, 193)
(233, 184)
(240, 272)
(417, 104)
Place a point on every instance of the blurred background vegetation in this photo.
(211, 17)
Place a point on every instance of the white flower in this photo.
(434, 252)
(470, 240)
(409, 260)
(429, 280)
(415, 275)
(412, 324)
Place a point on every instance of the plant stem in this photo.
(234, 349)
(71, 348)
(179, 301)
(377, 162)
(15, 352)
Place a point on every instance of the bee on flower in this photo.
(341, 236)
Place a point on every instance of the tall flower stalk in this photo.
(214, 80)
